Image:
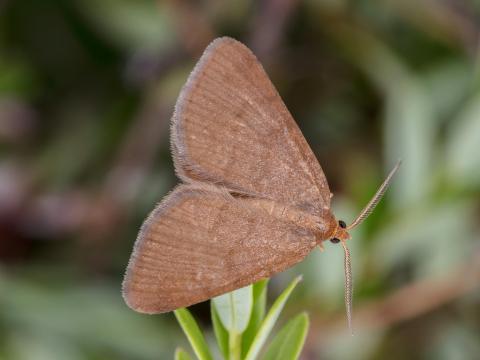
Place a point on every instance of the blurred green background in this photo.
(87, 89)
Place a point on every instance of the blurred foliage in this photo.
(86, 92)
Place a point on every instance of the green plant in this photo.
(242, 326)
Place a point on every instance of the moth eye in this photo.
(342, 224)
(335, 240)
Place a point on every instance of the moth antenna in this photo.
(367, 210)
(348, 286)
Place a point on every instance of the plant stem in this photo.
(234, 345)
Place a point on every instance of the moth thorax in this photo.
(326, 225)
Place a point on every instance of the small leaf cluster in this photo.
(242, 326)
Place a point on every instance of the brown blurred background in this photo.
(87, 89)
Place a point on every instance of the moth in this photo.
(253, 200)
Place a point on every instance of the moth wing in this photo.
(231, 127)
(198, 244)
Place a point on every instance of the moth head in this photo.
(341, 233)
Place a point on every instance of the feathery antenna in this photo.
(367, 210)
(348, 286)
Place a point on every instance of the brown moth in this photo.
(253, 200)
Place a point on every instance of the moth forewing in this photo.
(198, 244)
(231, 128)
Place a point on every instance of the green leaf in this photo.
(221, 333)
(289, 341)
(234, 309)
(463, 162)
(193, 333)
(270, 320)
(181, 354)
(410, 128)
(258, 313)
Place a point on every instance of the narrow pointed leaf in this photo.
(193, 333)
(270, 320)
(181, 354)
(288, 343)
(221, 333)
(234, 309)
(258, 313)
